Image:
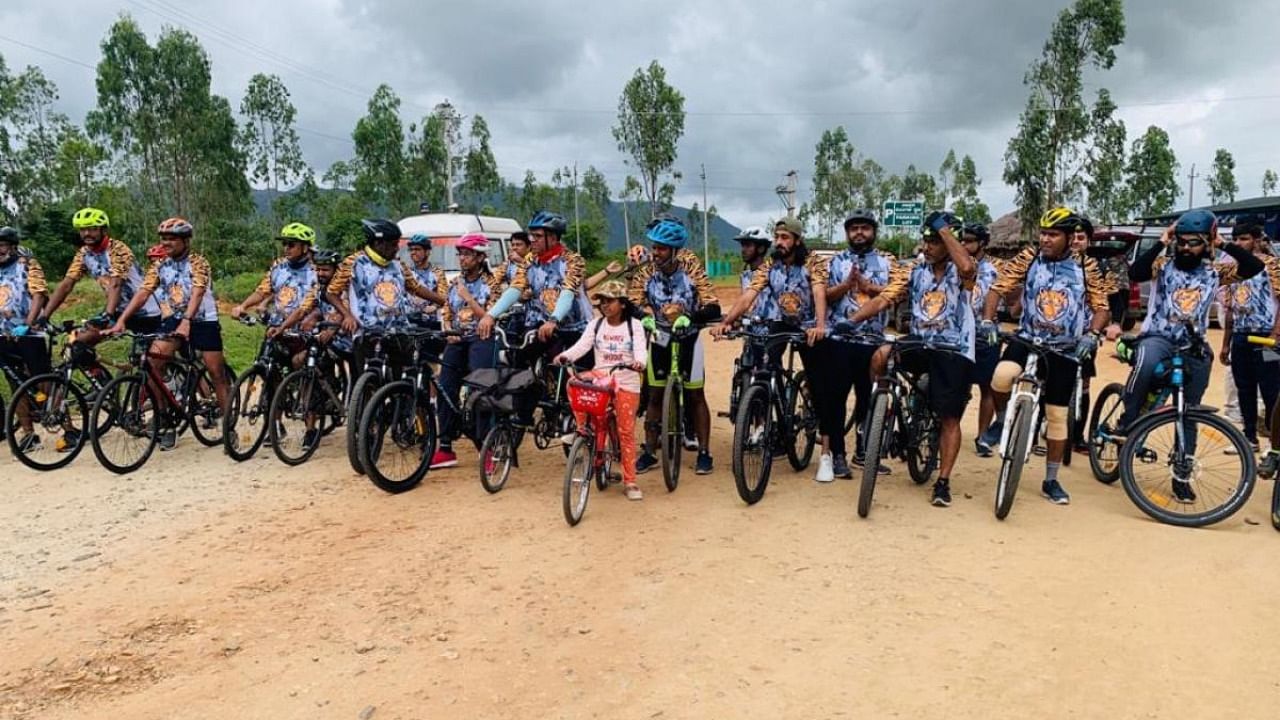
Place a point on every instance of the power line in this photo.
(50, 53)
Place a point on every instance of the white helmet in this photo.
(755, 234)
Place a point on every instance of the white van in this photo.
(444, 229)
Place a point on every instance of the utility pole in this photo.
(706, 247)
(577, 226)
(626, 224)
(787, 193)
(1191, 186)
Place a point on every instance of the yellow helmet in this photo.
(298, 232)
(89, 218)
(1061, 218)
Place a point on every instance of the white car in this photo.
(444, 229)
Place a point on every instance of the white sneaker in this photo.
(825, 472)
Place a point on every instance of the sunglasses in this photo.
(1189, 242)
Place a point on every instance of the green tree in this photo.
(381, 179)
(594, 198)
(838, 180)
(968, 204)
(81, 166)
(1268, 182)
(1222, 179)
(269, 138)
(947, 177)
(341, 175)
(482, 179)
(1043, 159)
(650, 124)
(630, 195)
(1151, 174)
(429, 162)
(1105, 184)
(31, 139)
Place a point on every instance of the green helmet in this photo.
(298, 232)
(89, 218)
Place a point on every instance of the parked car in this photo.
(444, 229)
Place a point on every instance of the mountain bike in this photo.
(672, 432)
(245, 425)
(310, 402)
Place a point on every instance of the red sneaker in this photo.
(444, 459)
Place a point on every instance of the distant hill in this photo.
(721, 229)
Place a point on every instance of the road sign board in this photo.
(903, 213)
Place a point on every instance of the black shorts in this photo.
(28, 356)
(1057, 373)
(986, 357)
(692, 364)
(950, 379)
(206, 335)
(143, 324)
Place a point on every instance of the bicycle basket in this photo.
(589, 398)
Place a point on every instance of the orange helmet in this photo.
(176, 226)
(156, 252)
(638, 255)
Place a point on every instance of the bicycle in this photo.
(56, 403)
(1182, 444)
(377, 371)
(596, 447)
(310, 402)
(776, 413)
(671, 438)
(245, 425)
(1275, 489)
(741, 372)
(1023, 414)
(132, 409)
(900, 423)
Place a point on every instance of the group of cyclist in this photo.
(953, 287)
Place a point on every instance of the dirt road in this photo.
(202, 589)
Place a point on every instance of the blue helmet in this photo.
(1194, 222)
(671, 233)
(421, 240)
(553, 222)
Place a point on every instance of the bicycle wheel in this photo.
(924, 441)
(1275, 505)
(497, 455)
(752, 445)
(298, 417)
(578, 469)
(134, 424)
(204, 414)
(802, 423)
(671, 442)
(366, 385)
(397, 437)
(1104, 455)
(244, 426)
(1193, 484)
(1015, 455)
(59, 419)
(875, 444)
(609, 469)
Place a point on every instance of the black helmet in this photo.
(378, 230)
(1087, 226)
(549, 221)
(979, 231)
(325, 257)
(9, 235)
(862, 215)
(953, 222)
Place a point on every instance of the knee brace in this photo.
(1006, 372)
(1055, 417)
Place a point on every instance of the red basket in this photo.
(589, 398)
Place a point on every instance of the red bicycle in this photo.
(596, 450)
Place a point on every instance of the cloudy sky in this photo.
(907, 78)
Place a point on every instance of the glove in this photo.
(649, 324)
(940, 219)
(41, 322)
(989, 333)
(101, 320)
(1087, 346)
(20, 330)
(681, 323)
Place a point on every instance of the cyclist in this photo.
(111, 264)
(1182, 290)
(616, 340)
(939, 287)
(975, 237)
(288, 281)
(519, 255)
(857, 274)
(1252, 311)
(23, 292)
(674, 286)
(429, 275)
(184, 278)
(467, 298)
(1064, 297)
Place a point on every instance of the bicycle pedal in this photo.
(723, 414)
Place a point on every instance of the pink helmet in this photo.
(473, 241)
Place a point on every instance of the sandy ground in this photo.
(198, 588)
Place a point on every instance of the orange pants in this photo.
(625, 405)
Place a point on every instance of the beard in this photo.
(862, 247)
(1184, 260)
(780, 255)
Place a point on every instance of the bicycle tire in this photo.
(365, 386)
(753, 431)
(296, 397)
(203, 412)
(1275, 504)
(923, 448)
(1138, 436)
(613, 455)
(133, 413)
(802, 423)
(671, 444)
(497, 454)
(244, 425)
(73, 404)
(578, 468)
(873, 447)
(1105, 469)
(1013, 461)
(396, 412)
